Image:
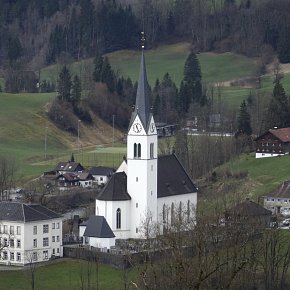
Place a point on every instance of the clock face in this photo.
(137, 128)
(152, 128)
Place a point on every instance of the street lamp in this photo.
(79, 135)
(45, 142)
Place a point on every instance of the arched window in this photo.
(135, 150)
(172, 214)
(118, 216)
(164, 213)
(139, 150)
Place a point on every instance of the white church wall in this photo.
(176, 200)
(101, 242)
(108, 209)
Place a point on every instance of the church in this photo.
(146, 188)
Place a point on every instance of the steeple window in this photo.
(151, 150)
(137, 150)
(118, 217)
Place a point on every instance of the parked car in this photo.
(286, 222)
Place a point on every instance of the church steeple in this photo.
(142, 104)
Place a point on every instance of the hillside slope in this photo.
(24, 127)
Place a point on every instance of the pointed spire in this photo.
(142, 106)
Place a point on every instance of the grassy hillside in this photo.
(264, 174)
(22, 133)
(215, 68)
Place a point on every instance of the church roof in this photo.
(115, 189)
(142, 105)
(98, 227)
(21, 212)
(172, 178)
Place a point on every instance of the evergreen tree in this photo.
(192, 72)
(72, 159)
(76, 91)
(98, 62)
(283, 45)
(279, 110)
(64, 85)
(107, 75)
(244, 120)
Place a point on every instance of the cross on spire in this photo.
(143, 40)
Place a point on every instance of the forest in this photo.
(36, 33)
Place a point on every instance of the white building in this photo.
(145, 187)
(29, 233)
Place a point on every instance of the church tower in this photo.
(142, 146)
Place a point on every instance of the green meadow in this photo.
(264, 173)
(66, 275)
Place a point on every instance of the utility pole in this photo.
(45, 141)
(113, 131)
(79, 135)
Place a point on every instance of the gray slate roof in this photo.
(101, 170)
(98, 227)
(69, 166)
(172, 178)
(142, 105)
(115, 189)
(21, 212)
(248, 208)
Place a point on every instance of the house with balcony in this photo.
(29, 233)
(273, 143)
(278, 200)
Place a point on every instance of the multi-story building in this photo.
(29, 233)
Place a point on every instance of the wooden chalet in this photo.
(272, 143)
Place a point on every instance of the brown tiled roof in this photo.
(283, 134)
(282, 190)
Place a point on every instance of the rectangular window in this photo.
(53, 251)
(136, 204)
(57, 225)
(53, 238)
(1, 229)
(34, 243)
(45, 255)
(34, 256)
(57, 250)
(18, 230)
(136, 230)
(5, 229)
(18, 243)
(11, 243)
(45, 242)
(45, 229)
(18, 256)
(11, 230)
(5, 256)
(57, 238)
(11, 256)
(35, 230)
(5, 242)
(53, 226)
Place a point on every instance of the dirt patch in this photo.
(247, 82)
